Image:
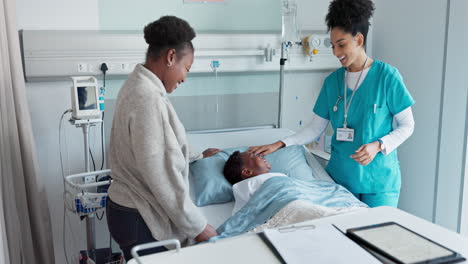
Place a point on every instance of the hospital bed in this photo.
(249, 248)
(216, 214)
(253, 249)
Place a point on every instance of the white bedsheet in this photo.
(218, 213)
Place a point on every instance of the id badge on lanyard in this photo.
(345, 133)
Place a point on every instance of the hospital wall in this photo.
(416, 43)
(427, 43)
(203, 89)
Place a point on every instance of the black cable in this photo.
(104, 69)
(102, 216)
(92, 159)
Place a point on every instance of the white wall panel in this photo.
(413, 42)
(455, 92)
(452, 158)
(57, 14)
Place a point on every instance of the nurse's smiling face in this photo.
(348, 49)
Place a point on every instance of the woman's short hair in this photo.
(350, 15)
(168, 32)
(233, 168)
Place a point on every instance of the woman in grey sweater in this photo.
(149, 154)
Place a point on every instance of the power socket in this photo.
(89, 179)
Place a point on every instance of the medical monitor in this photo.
(85, 98)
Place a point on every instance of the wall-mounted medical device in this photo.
(314, 44)
(85, 98)
(57, 54)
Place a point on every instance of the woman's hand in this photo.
(206, 234)
(266, 149)
(210, 152)
(366, 153)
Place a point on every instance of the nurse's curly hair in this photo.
(233, 168)
(350, 15)
(168, 32)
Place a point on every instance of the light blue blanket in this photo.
(276, 193)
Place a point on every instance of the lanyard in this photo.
(346, 106)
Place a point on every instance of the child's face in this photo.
(254, 165)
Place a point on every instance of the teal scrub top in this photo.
(383, 90)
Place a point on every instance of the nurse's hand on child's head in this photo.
(366, 153)
(266, 149)
(210, 152)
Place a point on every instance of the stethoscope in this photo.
(335, 108)
(346, 106)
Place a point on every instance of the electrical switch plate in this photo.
(82, 67)
(124, 66)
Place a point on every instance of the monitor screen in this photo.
(87, 98)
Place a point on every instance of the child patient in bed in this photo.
(277, 200)
(246, 172)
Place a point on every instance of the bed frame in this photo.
(201, 140)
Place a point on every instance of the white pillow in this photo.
(244, 190)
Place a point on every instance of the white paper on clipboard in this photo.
(323, 244)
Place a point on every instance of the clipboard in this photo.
(285, 229)
(299, 244)
(402, 245)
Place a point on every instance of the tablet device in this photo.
(401, 245)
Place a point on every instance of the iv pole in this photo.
(283, 59)
(288, 19)
(90, 225)
(90, 221)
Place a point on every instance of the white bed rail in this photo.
(234, 129)
(135, 249)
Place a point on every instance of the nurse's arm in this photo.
(305, 135)
(308, 133)
(403, 130)
(366, 153)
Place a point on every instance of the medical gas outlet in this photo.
(311, 45)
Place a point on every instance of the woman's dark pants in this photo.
(128, 229)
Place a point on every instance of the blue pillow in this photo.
(211, 187)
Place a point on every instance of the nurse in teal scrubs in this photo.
(361, 100)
